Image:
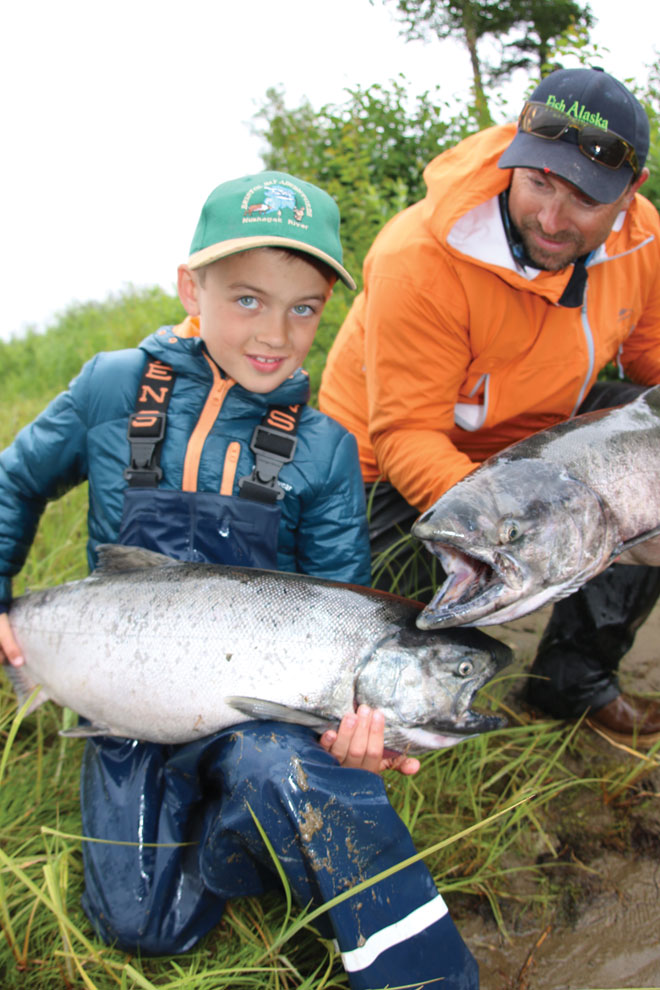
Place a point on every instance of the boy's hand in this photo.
(9, 648)
(358, 743)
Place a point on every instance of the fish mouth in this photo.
(440, 734)
(473, 723)
(478, 584)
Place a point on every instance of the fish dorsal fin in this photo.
(114, 557)
(260, 709)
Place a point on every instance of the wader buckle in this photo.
(143, 471)
(272, 449)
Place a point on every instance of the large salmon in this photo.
(156, 649)
(533, 523)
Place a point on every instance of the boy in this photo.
(226, 463)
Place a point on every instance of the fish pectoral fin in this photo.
(115, 558)
(86, 731)
(259, 708)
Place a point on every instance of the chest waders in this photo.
(204, 527)
(178, 819)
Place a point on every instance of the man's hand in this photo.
(9, 648)
(358, 743)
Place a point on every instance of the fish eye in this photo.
(465, 668)
(509, 531)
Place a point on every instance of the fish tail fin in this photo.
(23, 686)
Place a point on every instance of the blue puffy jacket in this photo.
(81, 436)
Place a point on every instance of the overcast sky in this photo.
(119, 119)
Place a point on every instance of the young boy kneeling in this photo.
(200, 444)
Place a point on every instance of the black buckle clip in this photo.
(141, 471)
(271, 450)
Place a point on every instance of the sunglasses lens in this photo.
(602, 148)
(542, 121)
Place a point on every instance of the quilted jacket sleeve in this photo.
(47, 458)
(333, 537)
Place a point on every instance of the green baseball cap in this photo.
(269, 209)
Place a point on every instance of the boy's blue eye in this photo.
(248, 302)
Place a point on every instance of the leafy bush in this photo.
(369, 153)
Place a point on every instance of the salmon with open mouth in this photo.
(535, 522)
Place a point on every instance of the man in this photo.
(488, 310)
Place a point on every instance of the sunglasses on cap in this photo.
(601, 146)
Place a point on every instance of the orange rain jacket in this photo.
(452, 352)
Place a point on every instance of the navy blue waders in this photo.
(184, 811)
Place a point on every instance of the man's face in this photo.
(556, 221)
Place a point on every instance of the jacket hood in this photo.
(183, 349)
(461, 209)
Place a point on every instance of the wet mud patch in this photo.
(603, 934)
(596, 923)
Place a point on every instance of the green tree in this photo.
(650, 97)
(542, 23)
(369, 153)
(538, 30)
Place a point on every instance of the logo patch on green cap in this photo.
(276, 203)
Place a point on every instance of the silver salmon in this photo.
(160, 650)
(533, 523)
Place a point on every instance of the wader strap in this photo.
(274, 443)
(146, 427)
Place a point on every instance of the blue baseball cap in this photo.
(593, 104)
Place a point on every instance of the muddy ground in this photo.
(603, 932)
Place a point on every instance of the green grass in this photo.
(485, 815)
(476, 812)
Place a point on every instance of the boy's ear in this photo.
(188, 288)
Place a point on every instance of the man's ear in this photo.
(639, 181)
(188, 288)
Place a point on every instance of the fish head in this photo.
(512, 536)
(425, 683)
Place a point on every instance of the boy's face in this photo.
(258, 313)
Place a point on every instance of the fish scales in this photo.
(613, 452)
(149, 648)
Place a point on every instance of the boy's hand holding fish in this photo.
(359, 743)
